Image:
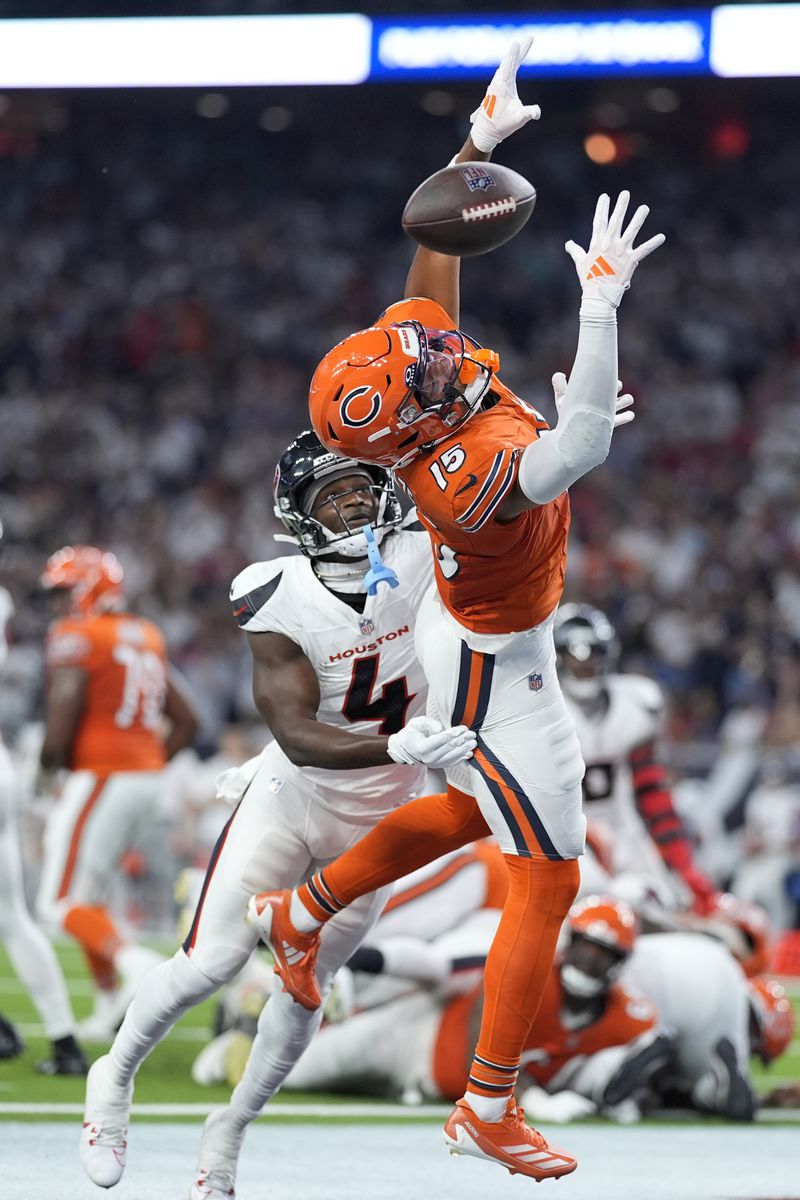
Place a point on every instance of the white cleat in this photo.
(104, 1137)
(219, 1156)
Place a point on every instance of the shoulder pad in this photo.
(253, 587)
(412, 522)
(643, 691)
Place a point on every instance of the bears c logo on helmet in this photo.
(357, 414)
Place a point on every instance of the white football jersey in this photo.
(699, 991)
(369, 677)
(631, 717)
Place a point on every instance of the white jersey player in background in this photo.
(338, 682)
(30, 952)
(718, 1018)
(626, 793)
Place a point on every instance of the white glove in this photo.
(621, 418)
(560, 1108)
(501, 112)
(423, 742)
(605, 269)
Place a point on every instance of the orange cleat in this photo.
(510, 1142)
(295, 953)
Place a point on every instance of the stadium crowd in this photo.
(168, 286)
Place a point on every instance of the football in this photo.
(469, 208)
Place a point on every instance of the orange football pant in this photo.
(540, 893)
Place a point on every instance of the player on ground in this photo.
(31, 954)
(410, 947)
(337, 680)
(718, 1016)
(109, 690)
(594, 1044)
(490, 484)
(626, 791)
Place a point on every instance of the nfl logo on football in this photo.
(366, 626)
(535, 682)
(477, 179)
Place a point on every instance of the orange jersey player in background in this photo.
(416, 393)
(109, 690)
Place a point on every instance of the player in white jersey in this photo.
(31, 954)
(432, 934)
(337, 680)
(718, 1016)
(626, 791)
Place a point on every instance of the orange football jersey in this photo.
(494, 578)
(125, 661)
(551, 1044)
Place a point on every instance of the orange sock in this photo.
(408, 838)
(99, 937)
(518, 966)
(102, 970)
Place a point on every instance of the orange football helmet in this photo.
(773, 1017)
(93, 578)
(386, 393)
(606, 921)
(744, 928)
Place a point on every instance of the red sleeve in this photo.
(654, 803)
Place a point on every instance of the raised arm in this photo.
(500, 113)
(589, 408)
(286, 692)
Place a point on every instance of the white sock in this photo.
(300, 917)
(34, 961)
(487, 1108)
(164, 995)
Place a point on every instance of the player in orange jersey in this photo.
(595, 1045)
(109, 689)
(490, 481)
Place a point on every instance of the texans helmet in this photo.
(587, 650)
(305, 463)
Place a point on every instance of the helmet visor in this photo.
(447, 381)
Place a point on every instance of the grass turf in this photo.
(165, 1078)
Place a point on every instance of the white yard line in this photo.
(272, 1110)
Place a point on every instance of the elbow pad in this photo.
(550, 465)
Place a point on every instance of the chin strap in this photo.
(378, 571)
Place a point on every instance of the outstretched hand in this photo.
(501, 111)
(605, 269)
(623, 402)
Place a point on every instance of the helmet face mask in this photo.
(587, 651)
(602, 932)
(305, 473)
(387, 394)
(445, 387)
(589, 967)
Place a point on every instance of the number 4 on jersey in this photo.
(390, 708)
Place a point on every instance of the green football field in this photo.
(165, 1078)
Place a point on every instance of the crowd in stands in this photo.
(169, 283)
